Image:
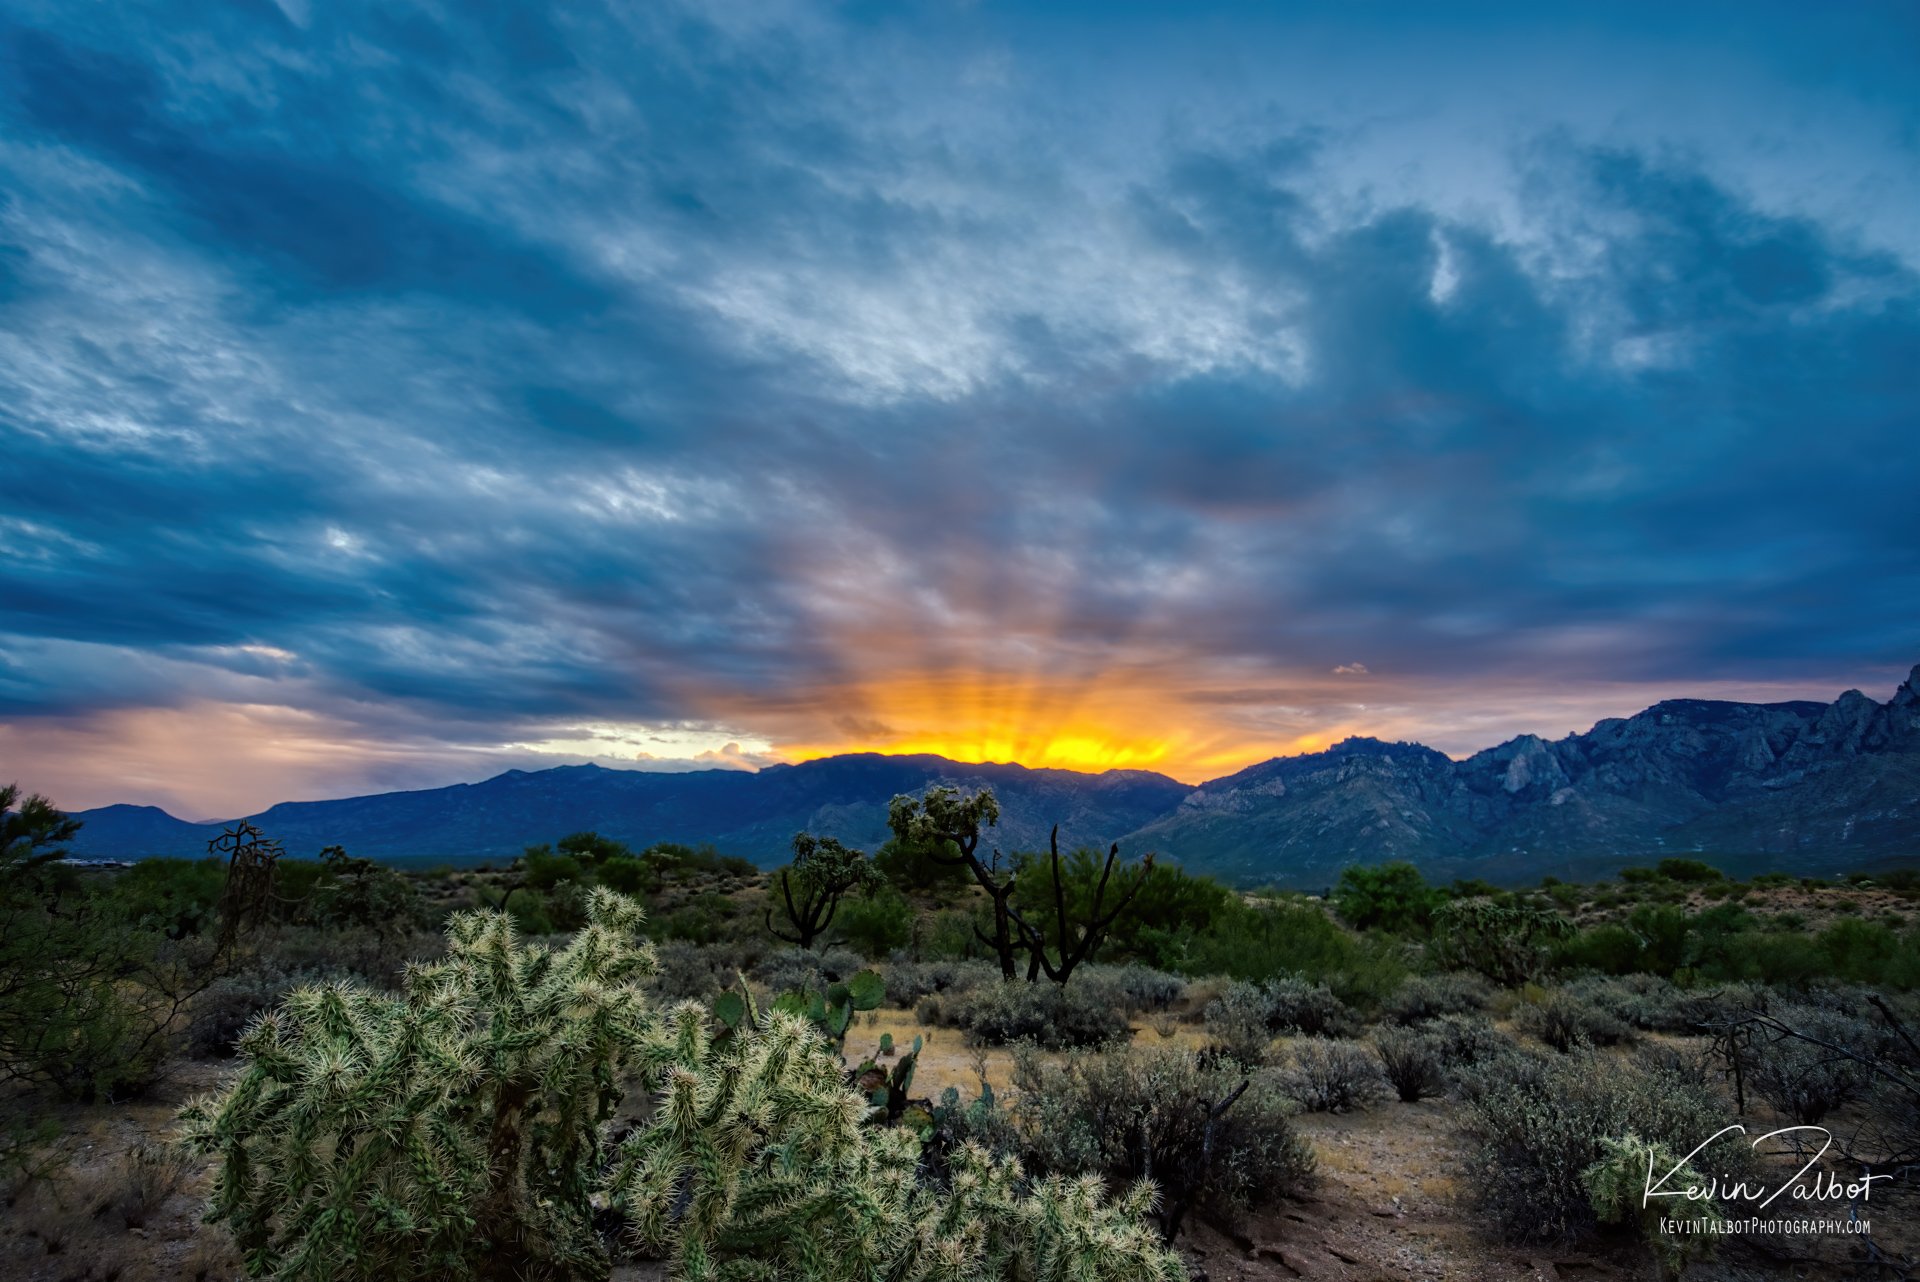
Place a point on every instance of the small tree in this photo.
(811, 886)
(946, 825)
(32, 832)
(1080, 902)
(251, 859)
(1392, 897)
(87, 991)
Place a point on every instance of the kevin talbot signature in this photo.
(1823, 1185)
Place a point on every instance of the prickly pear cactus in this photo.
(832, 1011)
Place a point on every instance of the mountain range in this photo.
(1803, 786)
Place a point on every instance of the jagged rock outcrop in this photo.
(1829, 785)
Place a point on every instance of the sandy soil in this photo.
(1386, 1208)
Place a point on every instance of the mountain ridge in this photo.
(1818, 786)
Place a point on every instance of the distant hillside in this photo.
(751, 814)
(1804, 786)
(1809, 786)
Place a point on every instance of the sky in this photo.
(394, 394)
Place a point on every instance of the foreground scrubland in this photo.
(932, 1062)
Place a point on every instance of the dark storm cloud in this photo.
(510, 369)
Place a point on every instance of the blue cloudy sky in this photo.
(395, 393)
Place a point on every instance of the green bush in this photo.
(1686, 870)
(1567, 1022)
(1392, 897)
(1412, 1061)
(1425, 997)
(1329, 1076)
(1806, 1080)
(875, 924)
(176, 897)
(909, 981)
(1536, 1125)
(1055, 1016)
(1129, 1114)
(1259, 941)
(89, 994)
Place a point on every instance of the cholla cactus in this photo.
(450, 1133)
(1617, 1186)
(761, 1164)
(460, 1131)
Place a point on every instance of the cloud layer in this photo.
(391, 395)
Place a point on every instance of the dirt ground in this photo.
(1386, 1209)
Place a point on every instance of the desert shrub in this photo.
(88, 999)
(1296, 1005)
(801, 970)
(1145, 988)
(694, 972)
(217, 1016)
(148, 1174)
(909, 981)
(1425, 997)
(1641, 1001)
(1536, 1124)
(1236, 1023)
(1463, 1041)
(1055, 1016)
(1412, 1062)
(1329, 1076)
(1146, 1112)
(1806, 1081)
(1566, 1022)
(378, 959)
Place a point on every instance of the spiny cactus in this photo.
(832, 1012)
(1617, 1186)
(450, 1132)
(761, 1164)
(461, 1131)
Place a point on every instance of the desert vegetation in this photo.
(934, 1060)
